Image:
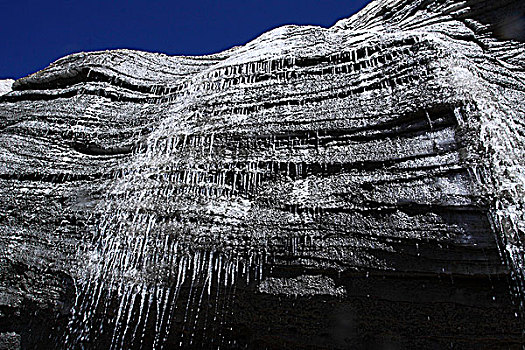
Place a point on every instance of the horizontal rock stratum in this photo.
(359, 186)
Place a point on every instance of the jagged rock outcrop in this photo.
(359, 186)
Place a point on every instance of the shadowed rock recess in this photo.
(354, 187)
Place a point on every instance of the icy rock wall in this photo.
(391, 142)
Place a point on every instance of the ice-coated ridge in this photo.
(167, 189)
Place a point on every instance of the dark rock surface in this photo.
(360, 186)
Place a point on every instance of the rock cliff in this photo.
(359, 186)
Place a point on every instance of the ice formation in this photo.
(145, 195)
(5, 86)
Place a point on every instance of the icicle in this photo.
(211, 143)
(459, 117)
(428, 119)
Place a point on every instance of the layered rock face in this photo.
(360, 186)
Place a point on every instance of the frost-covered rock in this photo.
(5, 86)
(359, 185)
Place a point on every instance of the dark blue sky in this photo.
(35, 33)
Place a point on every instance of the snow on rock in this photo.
(360, 166)
(302, 285)
(6, 86)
